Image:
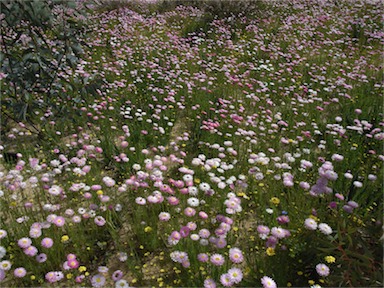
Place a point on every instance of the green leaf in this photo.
(363, 258)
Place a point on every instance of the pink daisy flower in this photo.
(59, 221)
(235, 274)
(20, 272)
(322, 269)
(268, 282)
(24, 242)
(47, 242)
(235, 255)
(209, 283)
(217, 259)
(226, 280)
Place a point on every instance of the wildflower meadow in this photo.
(191, 143)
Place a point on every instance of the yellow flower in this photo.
(33, 277)
(69, 276)
(82, 269)
(147, 229)
(64, 238)
(275, 201)
(270, 251)
(311, 282)
(330, 259)
(99, 192)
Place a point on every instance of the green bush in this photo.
(39, 48)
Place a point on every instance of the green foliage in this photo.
(217, 8)
(106, 5)
(40, 49)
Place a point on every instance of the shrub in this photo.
(40, 48)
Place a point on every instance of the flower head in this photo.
(202, 257)
(310, 224)
(100, 221)
(3, 251)
(117, 275)
(217, 259)
(3, 233)
(121, 284)
(235, 255)
(325, 229)
(226, 280)
(209, 283)
(235, 274)
(20, 272)
(98, 281)
(41, 258)
(47, 242)
(59, 221)
(5, 265)
(330, 259)
(322, 269)
(164, 216)
(24, 242)
(31, 251)
(268, 282)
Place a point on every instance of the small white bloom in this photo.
(121, 284)
(188, 178)
(192, 190)
(195, 237)
(221, 185)
(372, 177)
(204, 186)
(358, 184)
(193, 202)
(204, 242)
(3, 251)
(310, 224)
(348, 175)
(5, 265)
(325, 229)
(123, 256)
